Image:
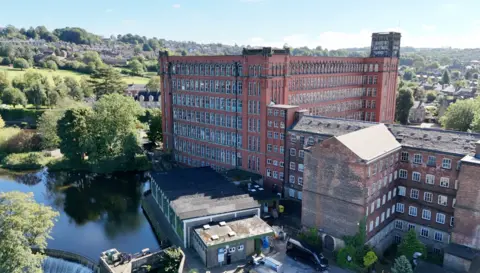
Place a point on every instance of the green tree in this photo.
(36, 94)
(410, 244)
(155, 133)
(431, 96)
(4, 81)
(445, 60)
(369, 259)
(52, 97)
(460, 115)
(112, 126)
(107, 81)
(456, 74)
(468, 75)
(24, 224)
(460, 83)
(52, 65)
(21, 63)
(86, 87)
(408, 75)
(6, 61)
(147, 47)
(402, 265)
(47, 127)
(137, 50)
(404, 103)
(171, 260)
(72, 129)
(14, 97)
(153, 84)
(136, 67)
(445, 77)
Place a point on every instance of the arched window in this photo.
(376, 67)
(370, 69)
(228, 70)
(222, 70)
(259, 70)
(202, 70)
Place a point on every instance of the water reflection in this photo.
(114, 200)
(96, 212)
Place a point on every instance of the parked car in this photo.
(301, 252)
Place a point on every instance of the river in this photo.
(96, 212)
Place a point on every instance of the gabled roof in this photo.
(371, 142)
(329, 126)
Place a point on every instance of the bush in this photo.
(22, 142)
(312, 238)
(19, 115)
(25, 161)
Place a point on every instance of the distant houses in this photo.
(147, 99)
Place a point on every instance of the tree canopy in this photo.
(410, 244)
(107, 80)
(402, 265)
(24, 224)
(460, 115)
(404, 103)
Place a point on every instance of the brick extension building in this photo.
(398, 177)
(218, 110)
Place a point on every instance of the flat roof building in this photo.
(197, 196)
(233, 239)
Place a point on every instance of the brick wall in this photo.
(333, 191)
(467, 210)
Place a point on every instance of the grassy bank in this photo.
(140, 163)
(14, 72)
(25, 161)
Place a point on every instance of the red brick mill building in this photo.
(233, 111)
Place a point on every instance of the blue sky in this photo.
(330, 24)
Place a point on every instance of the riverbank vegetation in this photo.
(25, 224)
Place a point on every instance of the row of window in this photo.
(275, 174)
(254, 107)
(310, 140)
(300, 168)
(336, 107)
(204, 151)
(254, 143)
(276, 124)
(206, 134)
(212, 86)
(206, 102)
(380, 201)
(382, 164)
(275, 135)
(381, 218)
(254, 125)
(275, 162)
(322, 96)
(328, 67)
(440, 218)
(209, 69)
(429, 178)
(275, 113)
(209, 118)
(198, 163)
(254, 89)
(291, 180)
(323, 82)
(431, 160)
(424, 231)
(382, 182)
(253, 163)
(370, 116)
(427, 196)
(275, 148)
(293, 152)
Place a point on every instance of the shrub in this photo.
(22, 142)
(25, 161)
(311, 237)
(18, 115)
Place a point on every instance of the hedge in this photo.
(21, 115)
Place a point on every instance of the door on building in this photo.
(229, 258)
(329, 243)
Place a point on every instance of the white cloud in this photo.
(429, 27)
(109, 10)
(176, 6)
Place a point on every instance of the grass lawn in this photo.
(14, 72)
(7, 133)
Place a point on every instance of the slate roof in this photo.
(371, 142)
(329, 126)
(462, 251)
(136, 87)
(146, 96)
(454, 142)
(197, 192)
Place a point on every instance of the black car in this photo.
(300, 251)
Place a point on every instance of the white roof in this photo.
(370, 142)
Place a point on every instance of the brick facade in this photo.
(214, 107)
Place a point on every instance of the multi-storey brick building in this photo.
(396, 177)
(217, 109)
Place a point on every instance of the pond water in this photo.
(96, 212)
